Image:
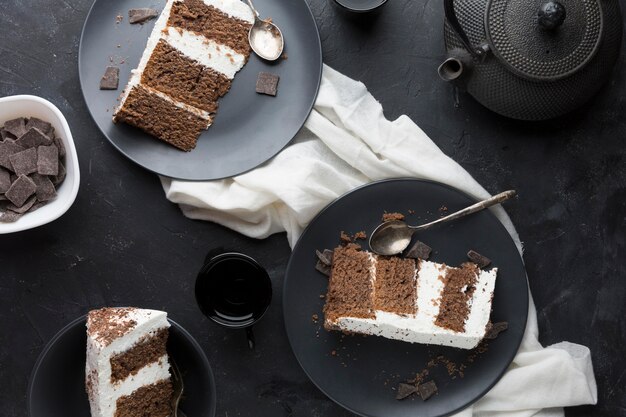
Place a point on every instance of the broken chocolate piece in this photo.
(323, 268)
(478, 259)
(37, 205)
(419, 250)
(427, 390)
(45, 189)
(8, 148)
(58, 142)
(111, 79)
(24, 162)
(45, 127)
(9, 217)
(141, 15)
(6, 135)
(267, 83)
(405, 391)
(325, 257)
(16, 127)
(21, 190)
(25, 207)
(33, 138)
(5, 180)
(48, 160)
(495, 329)
(58, 179)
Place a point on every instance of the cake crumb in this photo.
(387, 217)
(333, 353)
(315, 318)
(345, 238)
(360, 235)
(118, 19)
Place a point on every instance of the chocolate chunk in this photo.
(48, 160)
(8, 148)
(45, 188)
(37, 205)
(478, 259)
(45, 127)
(141, 15)
(325, 257)
(16, 127)
(111, 79)
(6, 135)
(267, 83)
(323, 268)
(405, 391)
(60, 177)
(427, 390)
(9, 217)
(58, 142)
(495, 329)
(24, 162)
(21, 190)
(25, 207)
(5, 180)
(33, 138)
(419, 250)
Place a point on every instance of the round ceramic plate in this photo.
(362, 373)
(249, 128)
(57, 384)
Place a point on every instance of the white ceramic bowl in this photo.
(32, 106)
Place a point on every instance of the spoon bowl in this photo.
(266, 39)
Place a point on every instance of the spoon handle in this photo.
(496, 199)
(252, 7)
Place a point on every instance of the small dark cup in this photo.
(360, 6)
(234, 291)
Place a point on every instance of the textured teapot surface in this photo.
(531, 59)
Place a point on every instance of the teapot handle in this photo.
(454, 23)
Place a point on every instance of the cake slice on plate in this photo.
(404, 299)
(128, 372)
(190, 61)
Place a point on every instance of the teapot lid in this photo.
(544, 40)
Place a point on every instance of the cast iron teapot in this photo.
(531, 59)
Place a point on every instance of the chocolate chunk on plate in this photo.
(33, 138)
(16, 127)
(267, 83)
(405, 390)
(45, 127)
(111, 79)
(9, 216)
(495, 329)
(8, 148)
(323, 268)
(21, 190)
(24, 162)
(478, 259)
(427, 390)
(419, 250)
(141, 15)
(48, 160)
(5, 180)
(326, 257)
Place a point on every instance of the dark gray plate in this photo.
(249, 128)
(365, 371)
(57, 384)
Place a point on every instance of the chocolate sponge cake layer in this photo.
(460, 284)
(184, 79)
(396, 285)
(149, 349)
(206, 20)
(147, 110)
(350, 286)
(151, 400)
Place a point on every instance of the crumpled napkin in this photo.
(347, 142)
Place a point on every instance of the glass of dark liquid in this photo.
(234, 291)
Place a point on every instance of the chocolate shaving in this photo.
(326, 257)
(478, 259)
(419, 250)
(323, 268)
(141, 15)
(111, 79)
(427, 390)
(495, 329)
(406, 390)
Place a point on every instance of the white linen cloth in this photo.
(347, 142)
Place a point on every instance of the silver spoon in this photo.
(392, 237)
(265, 38)
(178, 387)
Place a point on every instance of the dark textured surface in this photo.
(123, 243)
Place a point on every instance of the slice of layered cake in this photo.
(192, 56)
(404, 299)
(127, 372)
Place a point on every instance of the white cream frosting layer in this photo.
(234, 8)
(105, 393)
(421, 328)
